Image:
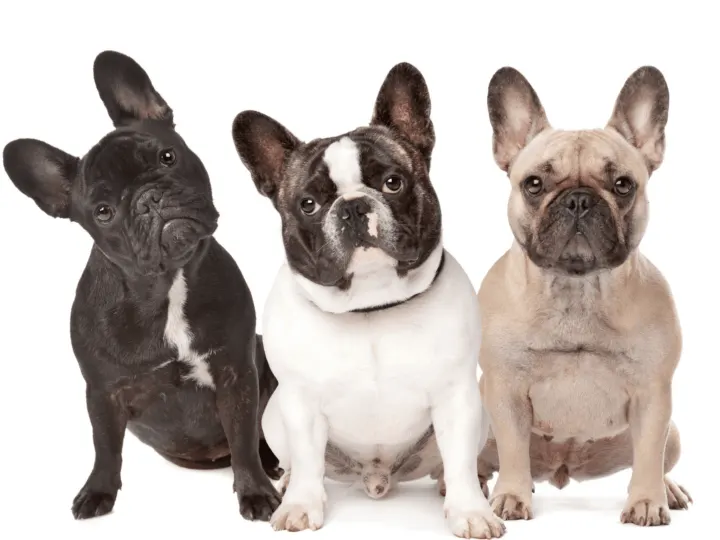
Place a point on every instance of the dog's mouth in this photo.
(179, 237)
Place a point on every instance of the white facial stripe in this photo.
(372, 224)
(343, 160)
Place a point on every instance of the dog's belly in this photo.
(577, 396)
(369, 416)
(181, 422)
(379, 432)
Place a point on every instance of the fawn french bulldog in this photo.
(580, 336)
(372, 328)
(163, 323)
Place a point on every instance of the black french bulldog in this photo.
(163, 323)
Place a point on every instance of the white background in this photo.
(317, 70)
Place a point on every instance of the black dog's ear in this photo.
(403, 105)
(263, 146)
(126, 90)
(516, 114)
(43, 173)
(641, 112)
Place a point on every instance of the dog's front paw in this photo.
(511, 507)
(475, 524)
(258, 500)
(678, 497)
(645, 512)
(91, 503)
(299, 516)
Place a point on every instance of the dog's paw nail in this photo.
(645, 513)
(510, 507)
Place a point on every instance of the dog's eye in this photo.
(623, 186)
(104, 213)
(533, 185)
(309, 206)
(392, 184)
(167, 157)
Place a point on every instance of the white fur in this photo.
(178, 335)
(373, 224)
(374, 283)
(373, 383)
(343, 160)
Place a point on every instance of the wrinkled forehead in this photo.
(119, 157)
(579, 156)
(347, 160)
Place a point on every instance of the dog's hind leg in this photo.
(604, 457)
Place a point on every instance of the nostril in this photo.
(345, 214)
(155, 197)
(142, 208)
(361, 207)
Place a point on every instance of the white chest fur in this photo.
(374, 374)
(178, 335)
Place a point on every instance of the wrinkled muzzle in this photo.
(167, 222)
(578, 234)
(359, 220)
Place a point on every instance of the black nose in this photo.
(147, 200)
(354, 209)
(579, 201)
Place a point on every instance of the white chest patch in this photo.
(343, 160)
(375, 375)
(178, 335)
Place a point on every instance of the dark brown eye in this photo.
(533, 185)
(623, 186)
(104, 213)
(167, 157)
(309, 206)
(392, 184)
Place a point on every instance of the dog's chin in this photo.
(366, 242)
(577, 258)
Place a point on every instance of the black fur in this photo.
(398, 142)
(156, 196)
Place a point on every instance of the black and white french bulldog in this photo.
(163, 323)
(371, 328)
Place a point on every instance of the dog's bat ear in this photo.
(641, 112)
(403, 105)
(126, 90)
(43, 173)
(263, 145)
(516, 114)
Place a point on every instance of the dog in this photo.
(580, 335)
(371, 327)
(163, 323)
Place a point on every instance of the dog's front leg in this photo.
(237, 397)
(306, 436)
(649, 418)
(511, 413)
(109, 420)
(457, 419)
